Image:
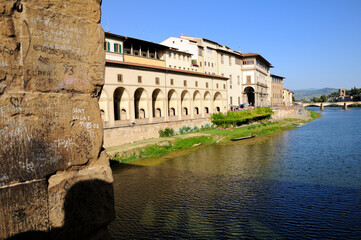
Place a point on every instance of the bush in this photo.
(241, 117)
(167, 132)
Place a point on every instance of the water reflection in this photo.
(300, 184)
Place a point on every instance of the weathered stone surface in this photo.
(51, 74)
(23, 207)
(93, 186)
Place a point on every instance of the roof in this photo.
(124, 38)
(257, 56)
(137, 65)
(273, 75)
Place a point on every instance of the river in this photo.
(299, 184)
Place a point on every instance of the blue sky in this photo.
(313, 43)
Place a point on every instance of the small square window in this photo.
(171, 81)
(206, 85)
(139, 79)
(157, 81)
(196, 83)
(224, 86)
(217, 85)
(185, 83)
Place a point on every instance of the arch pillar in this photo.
(131, 109)
(345, 106)
(111, 111)
(166, 108)
(179, 108)
(150, 110)
(321, 107)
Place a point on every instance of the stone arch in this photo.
(197, 102)
(157, 103)
(172, 103)
(217, 102)
(121, 104)
(249, 92)
(207, 102)
(140, 103)
(185, 102)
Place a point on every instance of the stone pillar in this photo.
(55, 179)
(150, 109)
(179, 110)
(131, 109)
(345, 106)
(321, 107)
(111, 111)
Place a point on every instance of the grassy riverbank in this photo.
(163, 146)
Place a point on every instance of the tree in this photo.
(324, 98)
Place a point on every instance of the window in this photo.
(212, 64)
(169, 54)
(171, 81)
(170, 66)
(117, 48)
(139, 79)
(120, 78)
(209, 64)
(108, 46)
(157, 81)
(230, 100)
(196, 83)
(200, 64)
(248, 62)
(217, 85)
(238, 80)
(230, 60)
(205, 63)
(248, 80)
(230, 79)
(224, 86)
(222, 59)
(230, 86)
(185, 83)
(206, 85)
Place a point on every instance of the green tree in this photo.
(323, 98)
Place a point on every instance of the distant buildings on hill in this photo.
(182, 78)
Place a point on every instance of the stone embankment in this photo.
(55, 179)
(288, 118)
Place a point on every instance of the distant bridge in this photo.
(325, 104)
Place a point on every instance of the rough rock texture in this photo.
(51, 76)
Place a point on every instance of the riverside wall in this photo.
(115, 136)
(289, 112)
(118, 135)
(55, 179)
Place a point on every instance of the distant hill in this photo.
(308, 94)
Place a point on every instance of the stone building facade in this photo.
(276, 90)
(147, 82)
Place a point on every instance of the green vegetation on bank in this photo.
(210, 136)
(238, 118)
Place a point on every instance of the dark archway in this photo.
(118, 100)
(249, 91)
(140, 103)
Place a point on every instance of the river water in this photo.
(300, 184)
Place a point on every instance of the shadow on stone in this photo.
(88, 207)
